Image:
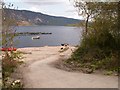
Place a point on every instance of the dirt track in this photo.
(39, 73)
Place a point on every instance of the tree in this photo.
(106, 21)
(8, 28)
(100, 48)
(87, 10)
(11, 58)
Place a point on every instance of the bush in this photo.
(9, 64)
(99, 49)
(96, 58)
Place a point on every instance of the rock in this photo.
(88, 71)
(116, 74)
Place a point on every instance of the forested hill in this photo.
(34, 18)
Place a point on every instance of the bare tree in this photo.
(87, 10)
(8, 28)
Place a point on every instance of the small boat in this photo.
(36, 37)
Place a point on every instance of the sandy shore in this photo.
(39, 73)
(33, 53)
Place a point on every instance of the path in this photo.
(39, 73)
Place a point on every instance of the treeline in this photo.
(80, 24)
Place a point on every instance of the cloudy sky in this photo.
(63, 8)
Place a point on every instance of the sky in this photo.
(64, 8)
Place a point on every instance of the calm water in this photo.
(60, 34)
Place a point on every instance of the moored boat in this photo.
(36, 37)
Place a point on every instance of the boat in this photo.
(36, 37)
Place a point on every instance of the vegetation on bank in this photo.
(9, 64)
(10, 58)
(100, 45)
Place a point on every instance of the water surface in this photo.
(60, 34)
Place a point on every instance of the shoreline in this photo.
(34, 48)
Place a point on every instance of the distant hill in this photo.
(25, 17)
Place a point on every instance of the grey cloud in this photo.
(44, 2)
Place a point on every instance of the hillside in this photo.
(34, 18)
